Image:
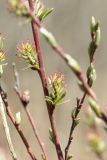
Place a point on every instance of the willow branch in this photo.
(43, 78)
(7, 132)
(77, 111)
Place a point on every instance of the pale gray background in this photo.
(70, 24)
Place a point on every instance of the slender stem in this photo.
(25, 102)
(78, 108)
(7, 132)
(36, 133)
(11, 116)
(45, 87)
(100, 156)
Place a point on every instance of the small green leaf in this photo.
(73, 113)
(77, 121)
(92, 24)
(98, 36)
(1, 70)
(43, 157)
(73, 64)
(59, 98)
(69, 157)
(51, 136)
(49, 99)
(1, 42)
(44, 14)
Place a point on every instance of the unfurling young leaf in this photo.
(45, 13)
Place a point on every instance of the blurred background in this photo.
(69, 22)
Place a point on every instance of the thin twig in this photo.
(25, 100)
(78, 108)
(43, 78)
(11, 116)
(6, 128)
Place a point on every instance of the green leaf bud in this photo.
(95, 107)
(49, 37)
(73, 64)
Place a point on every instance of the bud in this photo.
(92, 24)
(57, 88)
(51, 136)
(76, 122)
(69, 157)
(2, 58)
(91, 74)
(96, 143)
(73, 64)
(18, 7)
(49, 37)
(73, 113)
(27, 51)
(1, 42)
(18, 118)
(90, 118)
(95, 107)
(25, 98)
(40, 10)
(98, 36)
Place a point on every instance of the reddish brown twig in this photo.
(24, 98)
(42, 74)
(11, 116)
(78, 108)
